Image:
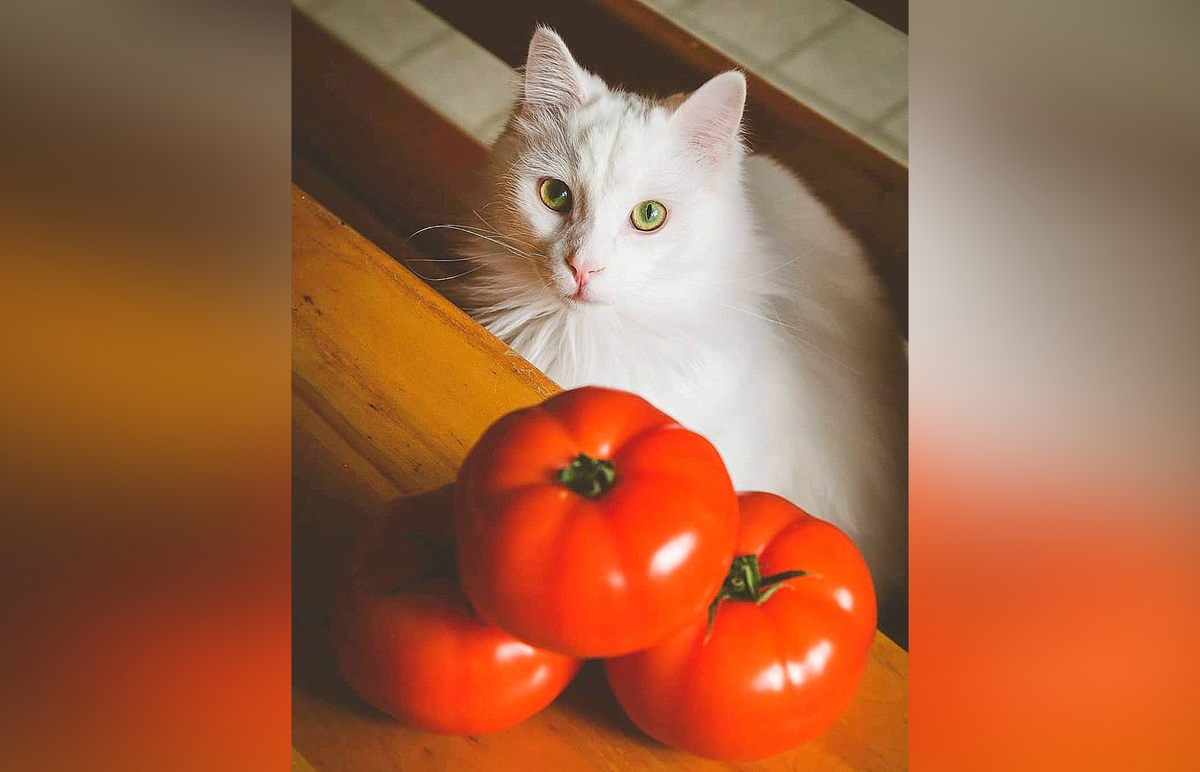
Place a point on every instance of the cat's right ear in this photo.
(709, 120)
(553, 81)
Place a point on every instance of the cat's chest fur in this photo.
(674, 364)
(697, 372)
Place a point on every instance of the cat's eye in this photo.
(648, 216)
(555, 194)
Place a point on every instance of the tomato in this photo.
(593, 524)
(409, 644)
(768, 674)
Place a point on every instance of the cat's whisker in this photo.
(471, 232)
(497, 232)
(812, 247)
(773, 270)
(531, 246)
(483, 220)
(468, 229)
(456, 276)
(503, 254)
(420, 275)
(794, 330)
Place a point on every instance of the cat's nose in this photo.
(581, 269)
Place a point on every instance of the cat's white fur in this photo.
(750, 316)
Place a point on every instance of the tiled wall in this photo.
(449, 71)
(836, 58)
(829, 54)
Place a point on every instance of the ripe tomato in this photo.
(408, 643)
(768, 674)
(593, 524)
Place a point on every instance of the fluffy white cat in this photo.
(633, 243)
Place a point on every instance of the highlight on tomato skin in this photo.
(409, 643)
(790, 635)
(593, 524)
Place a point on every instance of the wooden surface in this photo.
(409, 167)
(299, 763)
(391, 386)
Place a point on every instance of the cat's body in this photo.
(749, 315)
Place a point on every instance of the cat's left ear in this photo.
(710, 119)
(553, 81)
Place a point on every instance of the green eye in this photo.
(648, 216)
(555, 194)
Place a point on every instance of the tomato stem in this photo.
(587, 476)
(745, 582)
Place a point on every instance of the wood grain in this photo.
(409, 166)
(391, 386)
(299, 763)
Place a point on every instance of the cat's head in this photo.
(613, 198)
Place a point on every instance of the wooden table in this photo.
(391, 386)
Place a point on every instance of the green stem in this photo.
(587, 476)
(745, 583)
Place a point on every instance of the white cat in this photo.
(633, 243)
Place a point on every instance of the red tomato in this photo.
(767, 675)
(409, 644)
(593, 524)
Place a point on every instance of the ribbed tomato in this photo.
(593, 524)
(788, 643)
(409, 644)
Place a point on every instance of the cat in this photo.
(634, 243)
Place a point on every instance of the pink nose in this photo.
(582, 270)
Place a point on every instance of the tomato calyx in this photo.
(745, 583)
(587, 476)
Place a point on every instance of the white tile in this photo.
(758, 30)
(383, 31)
(490, 130)
(461, 81)
(896, 127)
(860, 66)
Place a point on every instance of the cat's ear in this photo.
(710, 119)
(553, 81)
